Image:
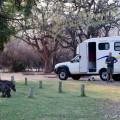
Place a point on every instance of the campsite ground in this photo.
(36, 76)
(102, 101)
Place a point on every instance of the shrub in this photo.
(18, 67)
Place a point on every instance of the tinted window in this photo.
(117, 46)
(103, 46)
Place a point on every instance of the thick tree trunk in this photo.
(48, 65)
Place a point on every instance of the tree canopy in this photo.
(11, 12)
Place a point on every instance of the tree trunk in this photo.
(107, 29)
(48, 65)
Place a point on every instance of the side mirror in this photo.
(71, 61)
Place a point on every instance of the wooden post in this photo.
(40, 84)
(12, 79)
(31, 92)
(26, 81)
(82, 90)
(60, 87)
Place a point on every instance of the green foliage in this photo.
(28, 7)
(6, 28)
(1, 2)
(8, 13)
(18, 67)
(5, 32)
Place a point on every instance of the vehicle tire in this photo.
(103, 75)
(116, 77)
(76, 77)
(62, 74)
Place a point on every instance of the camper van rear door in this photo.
(84, 58)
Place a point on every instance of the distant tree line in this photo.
(20, 57)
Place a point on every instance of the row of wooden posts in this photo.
(31, 89)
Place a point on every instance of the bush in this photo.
(18, 67)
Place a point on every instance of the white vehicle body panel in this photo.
(82, 66)
(84, 58)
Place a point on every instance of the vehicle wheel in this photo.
(76, 77)
(63, 75)
(103, 75)
(116, 77)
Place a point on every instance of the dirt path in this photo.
(35, 76)
(21, 76)
(39, 76)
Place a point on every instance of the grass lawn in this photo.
(102, 102)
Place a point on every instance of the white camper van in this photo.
(90, 59)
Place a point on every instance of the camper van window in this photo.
(117, 46)
(76, 59)
(104, 46)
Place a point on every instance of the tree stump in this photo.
(26, 81)
(82, 90)
(31, 90)
(60, 87)
(40, 84)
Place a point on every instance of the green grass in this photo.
(48, 104)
